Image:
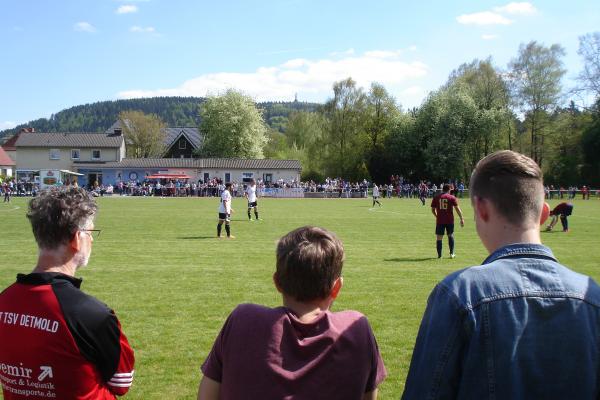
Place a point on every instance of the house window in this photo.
(55, 154)
(182, 144)
(227, 177)
(247, 176)
(75, 154)
(95, 154)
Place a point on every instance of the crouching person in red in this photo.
(56, 341)
(301, 350)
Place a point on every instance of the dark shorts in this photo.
(253, 204)
(567, 211)
(224, 216)
(440, 228)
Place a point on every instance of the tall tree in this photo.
(589, 49)
(305, 132)
(591, 147)
(381, 115)
(565, 156)
(447, 121)
(536, 75)
(232, 126)
(485, 85)
(344, 113)
(144, 134)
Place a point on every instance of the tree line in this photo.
(481, 108)
(364, 133)
(173, 111)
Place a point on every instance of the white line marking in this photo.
(11, 209)
(378, 210)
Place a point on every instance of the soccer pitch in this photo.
(172, 283)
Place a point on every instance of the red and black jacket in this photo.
(58, 342)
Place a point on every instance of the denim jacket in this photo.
(520, 326)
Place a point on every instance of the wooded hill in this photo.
(174, 111)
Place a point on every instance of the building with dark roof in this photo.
(180, 142)
(100, 157)
(197, 169)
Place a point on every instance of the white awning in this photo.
(66, 171)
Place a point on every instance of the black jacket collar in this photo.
(45, 278)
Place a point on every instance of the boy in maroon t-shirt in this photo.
(301, 350)
(442, 207)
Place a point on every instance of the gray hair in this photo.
(58, 213)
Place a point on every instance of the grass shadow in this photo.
(408, 259)
(196, 237)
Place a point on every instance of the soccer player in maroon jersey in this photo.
(442, 207)
(563, 210)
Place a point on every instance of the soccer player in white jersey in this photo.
(376, 195)
(250, 194)
(225, 211)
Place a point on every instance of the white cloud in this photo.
(348, 52)
(7, 125)
(84, 27)
(127, 9)
(383, 53)
(412, 48)
(489, 37)
(523, 8)
(141, 29)
(483, 18)
(311, 79)
(295, 63)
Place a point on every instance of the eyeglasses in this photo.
(94, 233)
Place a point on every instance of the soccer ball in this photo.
(545, 213)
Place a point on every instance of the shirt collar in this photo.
(522, 250)
(44, 278)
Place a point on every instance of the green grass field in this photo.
(172, 283)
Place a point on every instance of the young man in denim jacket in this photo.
(520, 326)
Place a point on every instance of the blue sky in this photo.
(62, 53)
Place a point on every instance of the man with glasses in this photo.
(55, 340)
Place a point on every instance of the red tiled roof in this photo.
(9, 145)
(5, 159)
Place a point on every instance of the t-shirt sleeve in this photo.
(107, 347)
(122, 378)
(454, 201)
(98, 335)
(378, 371)
(213, 365)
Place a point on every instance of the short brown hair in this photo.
(513, 182)
(56, 214)
(309, 260)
